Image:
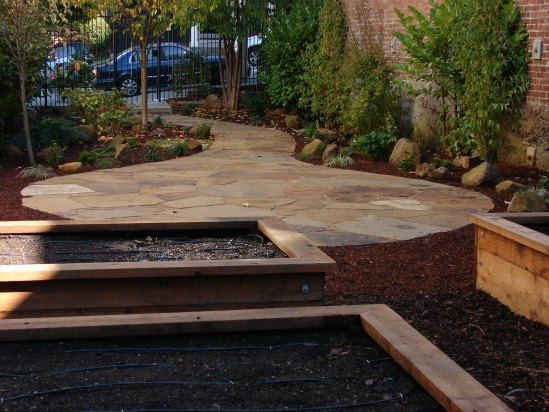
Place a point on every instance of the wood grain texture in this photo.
(446, 381)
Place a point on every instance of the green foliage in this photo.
(372, 97)
(340, 161)
(50, 131)
(202, 131)
(104, 163)
(478, 75)
(188, 109)
(95, 32)
(192, 69)
(310, 130)
(132, 142)
(376, 145)
(75, 75)
(38, 172)
(54, 155)
(89, 157)
(346, 151)
(256, 106)
(179, 149)
(438, 162)
(153, 151)
(408, 164)
(105, 110)
(322, 90)
(305, 156)
(290, 33)
(541, 188)
(157, 120)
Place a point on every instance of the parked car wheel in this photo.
(253, 57)
(130, 85)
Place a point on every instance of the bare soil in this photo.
(428, 281)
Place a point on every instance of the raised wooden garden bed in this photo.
(512, 261)
(69, 289)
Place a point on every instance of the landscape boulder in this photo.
(424, 169)
(193, 144)
(404, 148)
(312, 148)
(484, 174)
(440, 173)
(466, 162)
(509, 187)
(124, 153)
(11, 150)
(527, 202)
(293, 121)
(200, 130)
(329, 153)
(326, 135)
(88, 130)
(134, 120)
(70, 167)
(212, 102)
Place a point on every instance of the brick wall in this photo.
(534, 13)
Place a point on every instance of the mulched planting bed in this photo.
(267, 371)
(133, 247)
(428, 281)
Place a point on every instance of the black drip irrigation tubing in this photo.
(214, 349)
(121, 366)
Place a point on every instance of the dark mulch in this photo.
(428, 281)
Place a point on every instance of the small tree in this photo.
(25, 40)
(232, 20)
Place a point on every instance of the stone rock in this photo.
(329, 152)
(136, 128)
(43, 153)
(11, 150)
(424, 169)
(326, 135)
(404, 148)
(70, 167)
(124, 153)
(193, 144)
(466, 162)
(118, 140)
(311, 148)
(525, 202)
(509, 187)
(212, 102)
(200, 130)
(484, 174)
(440, 173)
(88, 129)
(280, 111)
(293, 121)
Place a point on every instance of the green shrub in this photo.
(340, 161)
(408, 164)
(290, 32)
(104, 163)
(38, 172)
(256, 107)
(187, 109)
(157, 120)
(305, 156)
(132, 142)
(376, 145)
(202, 131)
(153, 151)
(50, 131)
(310, 130)
(54, 155)
(179, 149)
(107, 111)
(89, 157)
(438, 162)
(346, 151)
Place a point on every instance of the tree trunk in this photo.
(25, 114)
(144, 102)
(233, 68)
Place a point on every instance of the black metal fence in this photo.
(101, 54)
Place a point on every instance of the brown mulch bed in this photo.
(428, 281)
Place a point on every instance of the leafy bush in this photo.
(192, 70)
(179, 149)
(36, 172)
(305, 156)
(157, 120)
(77, 73)
(54, 155)
(290, 32)
(187, 109)
(104, 163)
(202, 131)
(408, 164)
(95, 32)
(438, 162)
(89, 157)
(153, 151)
(340, 161)
(50, 131)
(346, 151)
(105, 110)
(256, 106)
(376, 145)
(310, 130)
(132, 142)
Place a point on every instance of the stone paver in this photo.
(250, 172)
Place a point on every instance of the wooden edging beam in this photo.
(445, 380)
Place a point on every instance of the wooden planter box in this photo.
(512, 261)
(71, 289)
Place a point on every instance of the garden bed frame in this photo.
(512, 261)
(71, 289)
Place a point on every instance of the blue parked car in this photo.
(177, 62)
